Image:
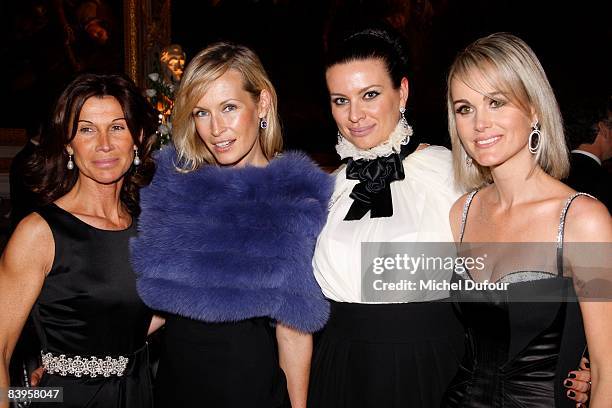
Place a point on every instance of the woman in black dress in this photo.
(527, 333)
(68, 263)
(225, 243)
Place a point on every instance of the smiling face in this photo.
(227, 120)
(364, 103)
(103, 146)
(492, 129)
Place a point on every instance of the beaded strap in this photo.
(561, 229)
(79, 366)
(464, 214)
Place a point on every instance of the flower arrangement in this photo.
(161, 95)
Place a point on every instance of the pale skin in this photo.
(523, 204)
(103, 151)
(227, 120)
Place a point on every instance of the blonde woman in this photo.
(227, 234)
(509, 149)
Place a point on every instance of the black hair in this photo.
(377, 40)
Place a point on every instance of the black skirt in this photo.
(386, 356)
(219, 365)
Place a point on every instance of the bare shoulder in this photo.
(588, 220)
(33, 228)
(457, 207)
(31, 246)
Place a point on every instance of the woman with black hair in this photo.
(375, 351)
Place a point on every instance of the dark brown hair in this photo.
(376, 40)
(47, 174)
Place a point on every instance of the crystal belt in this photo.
(78, 366)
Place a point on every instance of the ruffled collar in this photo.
(399, 137)
(376, 169)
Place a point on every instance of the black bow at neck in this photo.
(373, 192)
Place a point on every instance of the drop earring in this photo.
(403, 120)
(533, 144)
(70, 164)
(136, 158)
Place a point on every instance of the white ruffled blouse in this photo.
(421, 205)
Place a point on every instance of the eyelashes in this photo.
(204, 113)
(89, 129)
(463, 109)
(369, 95)
(493, 103)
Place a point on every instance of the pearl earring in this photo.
(136, 158)
(70, 164)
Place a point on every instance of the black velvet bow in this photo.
(373, 192)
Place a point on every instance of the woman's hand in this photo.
(36, 376)
(578, 383)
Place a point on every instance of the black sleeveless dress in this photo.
(88, 306)
(518, 351)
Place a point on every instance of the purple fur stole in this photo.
(228, 244)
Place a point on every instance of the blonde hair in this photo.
(507, 64)
(210, 64)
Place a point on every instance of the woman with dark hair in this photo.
(376, 352)
(68, 263)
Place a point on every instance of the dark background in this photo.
(37, 61)
(572, 40)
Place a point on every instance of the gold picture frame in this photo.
(146, 31)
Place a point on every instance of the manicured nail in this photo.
(588, 365)
(572, 394)
(572, 375)
(568, 383)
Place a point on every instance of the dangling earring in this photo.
(70, 164)
(136, 158)
(533, 144)
(263, 123)
(468, 160)
(403, 120)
